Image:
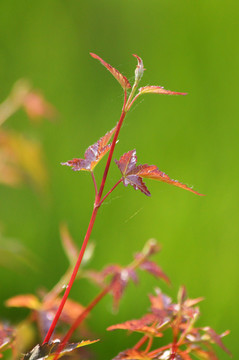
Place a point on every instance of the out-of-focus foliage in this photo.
(186, 45)
(187, 341)
(21, 159)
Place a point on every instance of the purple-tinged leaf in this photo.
(158, 90)
(124, 82)
(156, 270)
(93, 154)
(217, 338)
(133, 174)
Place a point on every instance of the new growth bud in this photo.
(139, 71)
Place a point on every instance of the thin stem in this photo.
(128, 104)
(157, 351)
(80, 318)
(95, 185)
(57, 289)
(136, 97)
(111, 151)
(141, 342)
(109, 192)
(91, 224)
(148, 347)
(73, 276)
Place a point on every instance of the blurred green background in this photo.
(186, 46)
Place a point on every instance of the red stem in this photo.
(109, 192)
(111, 151)
(91, 224)
(83, 315)
(136, 97)
(80, 318)
(148, 347)
(73, 276)
(140, 342)
(156, 351)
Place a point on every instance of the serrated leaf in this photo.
(124, 82)
(133, 174)
(50, 350)
(127, 164)
(158, 90)
(93, 154)
(143, 325)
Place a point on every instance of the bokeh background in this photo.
(187, 46)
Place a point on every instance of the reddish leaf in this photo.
(143, 325)
(70, 312)
(132, 354)
(133, 325)
(217, 338)
(93, 154)
(133, 174)
(124, 82)
(154, 269)
(127, 165)
(158, 90)
(193, 302)
(119, 282)
(184, 355)
(37, 107)
(204, 355)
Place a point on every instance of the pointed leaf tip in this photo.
(158, 90)
(124, 82)
(126, 165)
(133, 174)
(93, 154)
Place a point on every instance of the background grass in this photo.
(186, 46)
